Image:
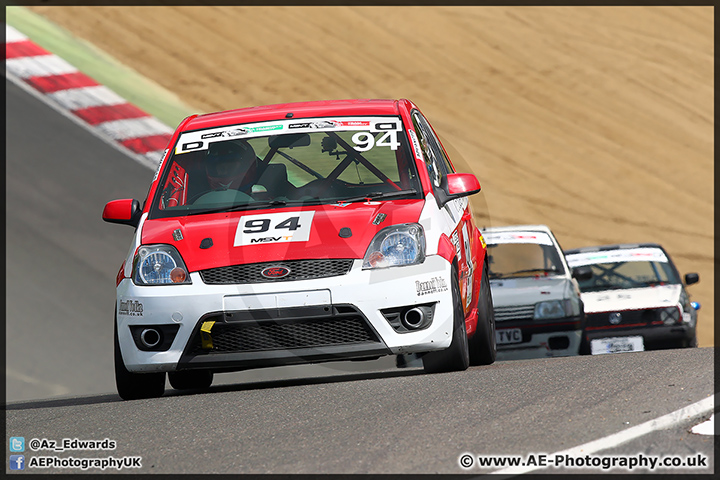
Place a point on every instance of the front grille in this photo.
(299, 270)
(346, 326)
(524, 312)
(627, 317)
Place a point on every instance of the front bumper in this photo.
(268, 324)
(542, 338)
(654, 336)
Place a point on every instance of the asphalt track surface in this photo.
(332, 418)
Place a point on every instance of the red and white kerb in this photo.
(96, 105)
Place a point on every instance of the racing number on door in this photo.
(274, 228)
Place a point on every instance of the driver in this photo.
(231, 165)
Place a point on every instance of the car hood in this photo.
(631, 298)
(528, 291)
(323, 223)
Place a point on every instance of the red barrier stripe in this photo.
(55, 83)
(24, 48)
(147, 144)
(92, 115)
(107, 113)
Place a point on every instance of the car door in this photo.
(438, 166)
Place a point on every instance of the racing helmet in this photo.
(230, 164)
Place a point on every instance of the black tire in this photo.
(483, 347)
(584, 345)
(191, 379)
(134, 386)
(689, 342)
(456, 357)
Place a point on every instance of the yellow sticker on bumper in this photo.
(205, 335)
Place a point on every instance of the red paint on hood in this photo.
(324, 241)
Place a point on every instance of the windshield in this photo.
(289, 162)
(621, 275)
(625, 268)
(512, 260)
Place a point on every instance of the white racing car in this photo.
(300, 233)
(538, 310)
(634, 300)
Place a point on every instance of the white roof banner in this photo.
(494, 238)
(642, 254)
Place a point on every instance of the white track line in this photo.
(666, 421)
(705, 428)
(55, 389)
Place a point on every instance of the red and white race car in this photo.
(300, 233)
(635, 299)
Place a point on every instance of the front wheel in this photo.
(457, 356)
(689, 342)
(584, 345)
(134, 386)
(483, 346)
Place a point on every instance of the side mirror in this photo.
(125, 212)
(582, 273)
(691, 278)
(457, 185)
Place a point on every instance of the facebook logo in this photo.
(17, 462)
(17, 444)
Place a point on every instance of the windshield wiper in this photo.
(376, 195)
(244, 206)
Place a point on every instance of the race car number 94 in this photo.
(274, 228)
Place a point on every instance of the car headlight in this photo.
(395, 246)
(550, 309)
(670, 315)
(159, 265)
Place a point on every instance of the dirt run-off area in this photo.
(597, 121)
